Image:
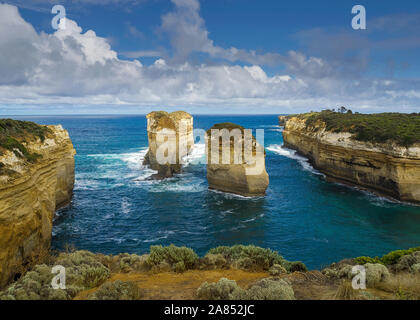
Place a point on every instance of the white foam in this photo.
(197, 155)
(229, 195)
(292, 154)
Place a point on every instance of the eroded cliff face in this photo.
(239, 174)
(30, 193)
(387, 168)
(174, 132)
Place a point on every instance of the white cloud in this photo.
(76, 67)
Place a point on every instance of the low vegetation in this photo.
(106, 277)
(255, 258)
(14, 133)
(117, 290)
(264, 289)
(401, 128)
(178, 259)
(390, 258)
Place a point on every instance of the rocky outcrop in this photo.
(386, 168)
(170, 138)
(282, 120)
(30, 192)
(237, 174)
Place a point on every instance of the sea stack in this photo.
(170, 138)
(235, 173)
(36, 178)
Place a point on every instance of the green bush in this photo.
(214, 261)
(364, 260)
(177, 257)
(390, 258)
(254, 258)
(249, 257)
(14, 132)
(266, 289)
(91, 277)
(83, 271)
(376, 273)
(117, 290)
(34, 285)
(221, 290)
(394, 256)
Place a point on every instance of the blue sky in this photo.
(208, 56)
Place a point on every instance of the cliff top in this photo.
(225, 125)
(14, 134)
(163, 119)
(176, 115)
(401, 128)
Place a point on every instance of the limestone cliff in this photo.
(387, 168)
(36, 178)
(282, 120)
(174, 133)
(238, 174)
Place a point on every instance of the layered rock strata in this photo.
(171, 139)
(30, 193)
(235, 164)
(386, 168)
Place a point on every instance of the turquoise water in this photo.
(115, 209)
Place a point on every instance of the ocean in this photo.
(116, 209)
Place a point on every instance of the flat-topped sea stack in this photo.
(380, 152)
(229, 168)
(170, 138)
(36, 178)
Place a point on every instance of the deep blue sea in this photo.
(115, 209)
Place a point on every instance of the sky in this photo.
(208, 56)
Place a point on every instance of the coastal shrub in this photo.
(131, 262)
(214, 261)
(91, 277)
(404, 286)
(265, 289)
(250, 257)
(173, 256)
(117, 290)
(364, 260)
(277, 270)
(14, 132)
(345, 291)
(83, 271)
(34, 285)
(391, 258)
(221, 290)
(402, 128)
(415, 268)
(297, 266)
(376, 273)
